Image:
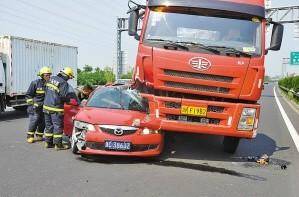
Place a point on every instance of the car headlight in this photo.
(147, 131)
(84, 126)
(247, 119)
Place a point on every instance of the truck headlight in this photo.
(147, 131)
(247, 119)
(84, 126)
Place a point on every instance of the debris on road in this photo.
(283, 167)
(263, 160)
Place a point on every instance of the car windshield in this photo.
(208, 31)
(118, 98)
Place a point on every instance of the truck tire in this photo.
(230, 144)
(21, 108)
(2, 103)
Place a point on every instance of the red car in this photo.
(114, 121)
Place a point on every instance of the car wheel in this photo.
(230, 144)
(74, 147)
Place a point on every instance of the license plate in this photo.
(194, 111)
(115, 145)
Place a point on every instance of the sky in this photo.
(91, 26)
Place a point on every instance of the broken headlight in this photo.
(84, 126)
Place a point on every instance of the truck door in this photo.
(69, 112)
(2, 77)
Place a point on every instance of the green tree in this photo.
(96, 77)
(87, 68)
(108, 75)
(128, 75)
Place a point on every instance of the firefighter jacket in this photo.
(36, 93)
(56, 94)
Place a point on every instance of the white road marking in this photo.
(287, 121)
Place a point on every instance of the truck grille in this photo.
(197, 87)
(208, 77)
(194, 119)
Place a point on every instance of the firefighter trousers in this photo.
(36, 121)
(54, 127)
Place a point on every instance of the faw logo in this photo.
(200, 63)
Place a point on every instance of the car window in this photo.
(117, 98)
(105, 98)
(131, 100)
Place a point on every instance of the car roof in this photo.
(114, 86)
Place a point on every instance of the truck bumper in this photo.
(222, 118)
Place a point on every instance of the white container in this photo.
(23, 58)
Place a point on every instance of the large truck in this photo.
(20, 61)
(203, 62)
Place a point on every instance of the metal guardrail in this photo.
(288, 90)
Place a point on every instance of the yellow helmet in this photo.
(45, 70)
(68, 71)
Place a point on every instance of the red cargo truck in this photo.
(203, 61)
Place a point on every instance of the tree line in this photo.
(90, 76)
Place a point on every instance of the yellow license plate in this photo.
(194, 111)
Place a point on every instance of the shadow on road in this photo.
(196, 152)
(209, 148)
(12, 115)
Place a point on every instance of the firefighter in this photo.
(35, 97)
(56, 95)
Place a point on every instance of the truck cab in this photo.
(204, 62)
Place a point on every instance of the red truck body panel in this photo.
(230, 84)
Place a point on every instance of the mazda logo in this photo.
(200, 63)
(118, 131)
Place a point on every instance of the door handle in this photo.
(1, 84)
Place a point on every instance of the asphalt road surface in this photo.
(191, 165)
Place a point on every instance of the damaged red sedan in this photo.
(114, 121)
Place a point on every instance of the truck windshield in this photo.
(208, 32)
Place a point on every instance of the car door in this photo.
(69, 112)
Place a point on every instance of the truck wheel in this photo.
(230, 144)
(21, 108)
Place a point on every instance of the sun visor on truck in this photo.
(253, 10)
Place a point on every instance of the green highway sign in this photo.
(294, 58)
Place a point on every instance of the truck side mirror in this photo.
(277, 35)
(133, 23)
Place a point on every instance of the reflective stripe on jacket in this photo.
(56, 93)
(36, 93)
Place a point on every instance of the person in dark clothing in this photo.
(35, 98)
(56, 95)
(85, 92)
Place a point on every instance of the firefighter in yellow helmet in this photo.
(56, 95)
(35, 98)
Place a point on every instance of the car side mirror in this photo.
(276, 38)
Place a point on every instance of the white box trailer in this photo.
(21, 60)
